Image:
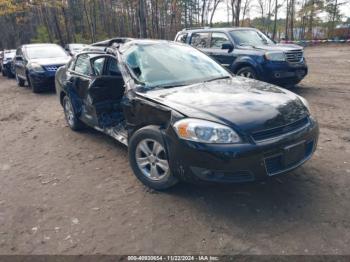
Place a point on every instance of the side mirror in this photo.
(19, 58)
(227, 46)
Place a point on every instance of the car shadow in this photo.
(287, 198)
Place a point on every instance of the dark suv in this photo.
(37, 64)
(248, 52)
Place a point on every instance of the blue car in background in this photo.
(248, 52)
(37, 64)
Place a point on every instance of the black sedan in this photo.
(184, 117)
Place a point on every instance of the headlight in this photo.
(205, 131)
(306, 103)
(36, 68)
(275, 56)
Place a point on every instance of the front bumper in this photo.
(45, 80)
(252, 161)
(283, 73)
(7, 67)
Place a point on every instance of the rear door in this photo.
(80, 77)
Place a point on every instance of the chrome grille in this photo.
(51, 68)
(294, 56)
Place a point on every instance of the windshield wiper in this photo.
(246, 44)
(218, 78)
(166, 86)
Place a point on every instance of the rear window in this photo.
(200, 40)
(181, 38)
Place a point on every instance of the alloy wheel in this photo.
(246, 74)
(152, 160)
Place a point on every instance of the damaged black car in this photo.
(183, 116)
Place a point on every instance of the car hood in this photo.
(279, 47)
(51, 61)
(245, 104)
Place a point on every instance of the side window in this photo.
(200, 40)
(98, 65)
(181, 38)
(217, 39)
(113, 68)
(82, 65)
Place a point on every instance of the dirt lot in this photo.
(74, 193)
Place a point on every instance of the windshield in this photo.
(250, 37)
(170, 64)
(10, 55)
(51, 51)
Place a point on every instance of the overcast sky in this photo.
(221, 13)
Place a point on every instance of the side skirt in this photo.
(118, 132)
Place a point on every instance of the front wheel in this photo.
(247, 72)
(149, 160)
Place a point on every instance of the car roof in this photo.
(144, 42)
(110, 42)
(98, 50)
(39, 45)
(215, 29)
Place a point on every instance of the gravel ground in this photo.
(63, 192)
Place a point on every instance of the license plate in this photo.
(294, 154)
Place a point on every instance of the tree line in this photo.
(86, 21)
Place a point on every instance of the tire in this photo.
(35, 89)
(247, 72)
(148, 159)
(20, 82)
(71, 117)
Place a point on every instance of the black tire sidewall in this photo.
(151, 132)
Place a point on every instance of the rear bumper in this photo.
(196, 162)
